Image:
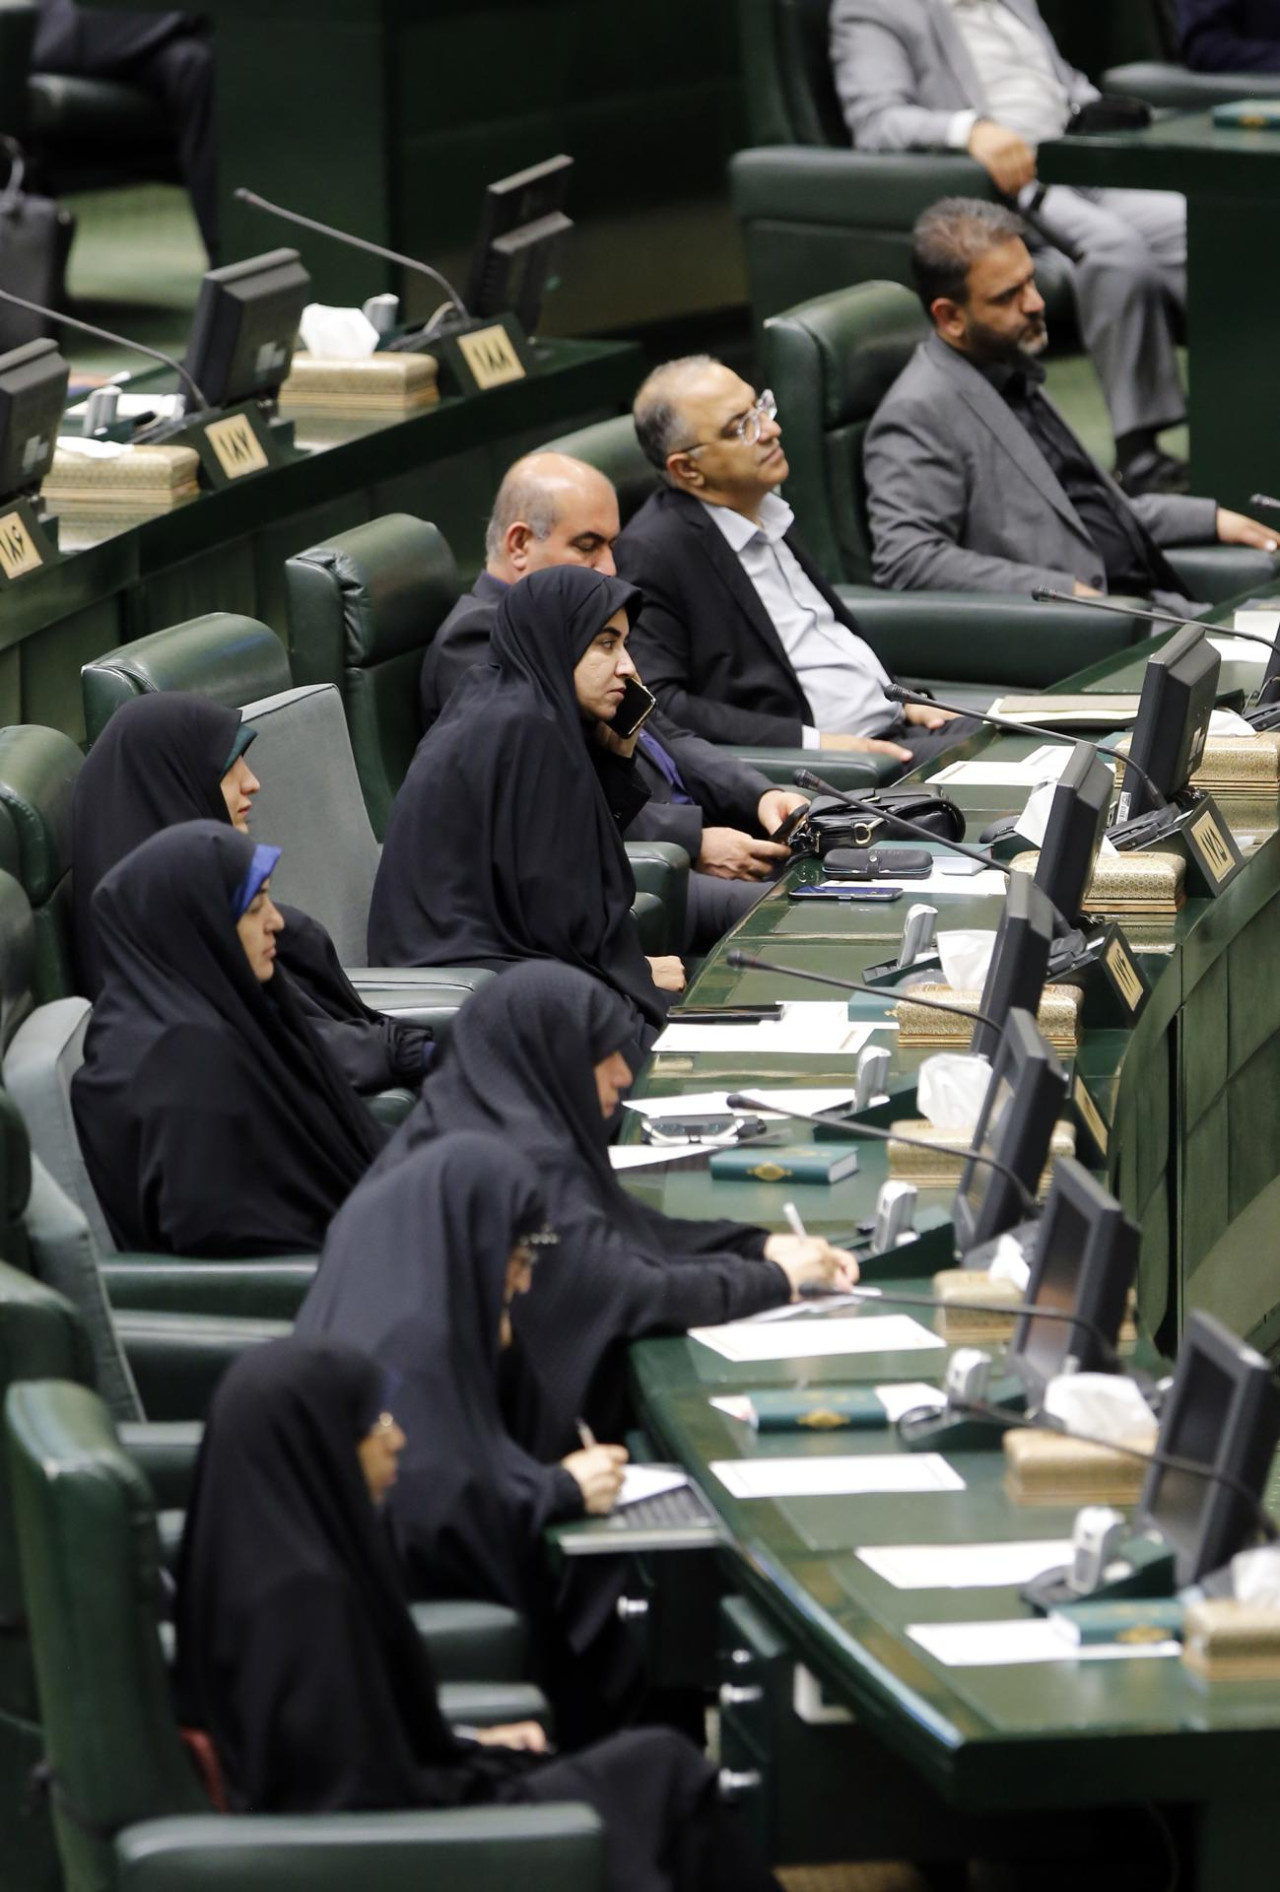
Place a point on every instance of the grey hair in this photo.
(522, 498)
(950, 237)
(660, 427)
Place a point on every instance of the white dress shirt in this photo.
(839, 673)
(1016, 72)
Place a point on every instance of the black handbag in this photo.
(35, 242)
(830, 824)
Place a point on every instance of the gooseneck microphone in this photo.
(109, 335)
(872, 1133)
(1043, 595)
(739, 959)
(1264, 499)
(1023, 1309)
(1017, 727)
(354, 242)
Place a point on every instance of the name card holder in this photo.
(1115, 987)
(1203, 839)
(232, 446)
(26, 545)
(481, 354)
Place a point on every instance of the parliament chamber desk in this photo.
(1191, 1102)
(225, 551)
(1231, 181)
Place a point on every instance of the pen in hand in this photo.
(586, 1437)
(793, 1221)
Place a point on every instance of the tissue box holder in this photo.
(941, 1167)
(374, 384)
(1059, 1018)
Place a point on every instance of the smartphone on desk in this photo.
(724, 1014)
(850, 893)
(634, 710)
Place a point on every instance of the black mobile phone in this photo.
(634, 710)
(724, 1014)
(873, 893)
(785, 829)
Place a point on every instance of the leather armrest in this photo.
(661, 868)
(178, 1359)
(166, 1453)
(1214, 573)
(869, 190)
(472, 1641)
(1181, 90)
(978, 636)
(393, 1106)
(493, 1704)
(556, 1848)
(837, 766)
(653, 923)
(266, 1289)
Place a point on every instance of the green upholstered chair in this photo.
(38, 768)
(128, 1813)
(363, 608)
(830, 363)
(233, 659)
(1152, 67)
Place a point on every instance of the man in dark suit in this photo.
(739, 636)
(554, 510)
(1230, 35)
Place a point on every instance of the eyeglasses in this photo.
(385, 1422)
(747, 428)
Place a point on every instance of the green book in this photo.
(1140, 1619)
(827, 1409)
(1248, 114)
(796, 1163)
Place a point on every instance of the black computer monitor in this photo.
(522, 220)
(33, 394)
(1077, 822)
(1179, 688)
(244, 329)
(1015, 1125)
(1019, 962)
(1223, 1412)
(1083, 1263)
(1269, 688)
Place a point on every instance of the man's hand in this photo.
(776, 804)
(1007, 159)
(864, 745)
(809, 1261)
(927, 715)
(1236, 528)
(1081, 590)
(731, 855)
(598, 1472)
(620, 745)
(667, 973)
(529, 1736)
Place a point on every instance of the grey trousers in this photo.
(1132, 247)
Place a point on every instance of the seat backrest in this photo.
(38, 770)
(65, 1259)
(310, 805)
(363, 608)
(17, 959)
(612, 448)
(90, 1566)
(831, 362)
(233, 659)
(39, 1065)
(786, 65)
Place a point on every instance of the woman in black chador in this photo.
(298, 1656)
(168, 757)
(535, 1059)
(212, 1119)
(505, 840)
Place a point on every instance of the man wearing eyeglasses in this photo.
(739, 636)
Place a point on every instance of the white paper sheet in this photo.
(805, 1028)
(133, 406)
(981, 774)
(743, 1341)
(648, 1481)
(648, 1155)
(909, 1396)
(836, 1477)
(964, 1566)
(1234, 650)
(983, 885)
(1022, 1640)
(715, 1103)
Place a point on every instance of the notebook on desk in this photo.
(1090, 710)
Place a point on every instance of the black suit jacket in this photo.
(1230, 35)
(703, 641)
(725, 791)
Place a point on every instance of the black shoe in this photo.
(1153, 472)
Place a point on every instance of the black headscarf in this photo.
(296, 1651)
(160, 760)
(413, 1273)
(502, 844)
(519, 1065)
(212, 1119)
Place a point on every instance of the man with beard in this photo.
(975, 482)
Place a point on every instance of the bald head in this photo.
(697, 422)
(551, 510)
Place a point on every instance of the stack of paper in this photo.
(814, 1030)
(745, 1341)
(836, 1477)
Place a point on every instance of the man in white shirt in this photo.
(984, 76)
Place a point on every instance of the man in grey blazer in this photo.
(974, 480)
(984, 76)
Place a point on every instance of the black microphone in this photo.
(354, 242)
(1018, 728)
(1043, 595)
(1264, 499)
(739, 959)
(871, 1133)
(109, 335)
(1026, 1310)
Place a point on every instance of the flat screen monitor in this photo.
(1077, 822)
(1223, 1412)
(245, 326)
(522, 221)
(1015, 1126)
(1269, 688)
(1019, 962)
(1083, 1263)
(1179, 688)
(33, 395)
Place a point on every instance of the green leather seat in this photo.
(38, 769)
(830, 363)
(233, 659)
(128, 1813)
(363, 608)
(1153, 70)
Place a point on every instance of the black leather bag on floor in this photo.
(35, 242)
